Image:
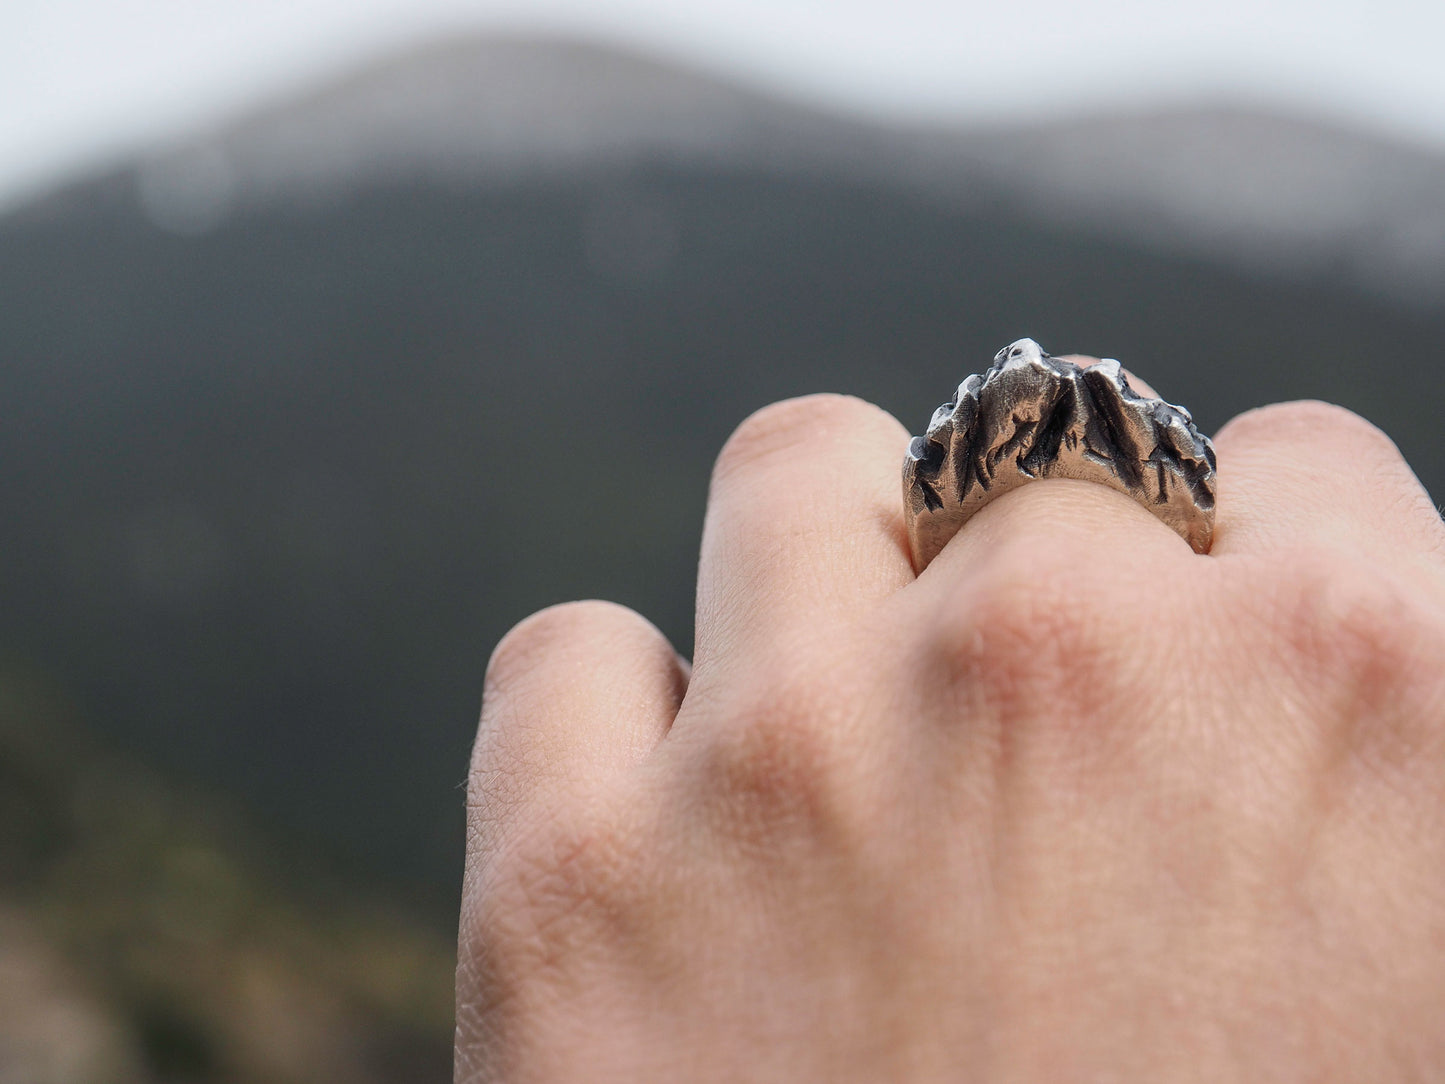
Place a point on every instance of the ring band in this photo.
(1032, 416)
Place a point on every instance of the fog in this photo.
(84, 81)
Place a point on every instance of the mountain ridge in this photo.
(1275, 194)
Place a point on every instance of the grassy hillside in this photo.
(149, 933)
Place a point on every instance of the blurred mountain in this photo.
(1276, 194)
(301, 416)
(491, 110)
(1266, 192)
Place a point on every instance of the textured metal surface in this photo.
(1032, 416)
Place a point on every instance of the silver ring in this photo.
(1032, 416)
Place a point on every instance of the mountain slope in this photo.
(1284, 195)
(1269, 193)
(274, 491)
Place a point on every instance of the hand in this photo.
(1075, 803)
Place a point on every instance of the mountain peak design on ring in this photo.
(1031, 416)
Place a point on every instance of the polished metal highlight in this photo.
(1032, 416)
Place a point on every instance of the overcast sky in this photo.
(83, 80)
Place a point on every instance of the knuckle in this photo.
(1043, 660)
(1349, 626)
(1036, 635)
(535, 639)
(775, 430)
(1368, 650)
(780, 763)
(1317, 424)
(1371, 479)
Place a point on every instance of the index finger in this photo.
(804, 526)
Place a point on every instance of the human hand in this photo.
(1075, 803)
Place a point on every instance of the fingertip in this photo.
(785, 429)
(804, 524)
(576, 692)
(585, 633)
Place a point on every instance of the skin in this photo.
(1074, 804)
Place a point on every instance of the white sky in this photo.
(83, 80)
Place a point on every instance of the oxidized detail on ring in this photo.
(1032, 416)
